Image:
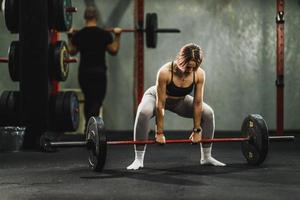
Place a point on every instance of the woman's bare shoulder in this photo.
(166, 68)
(200, 75)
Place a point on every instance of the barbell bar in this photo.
(3, 60)
(66, 60)
(163, 30)
(128, 142)
(254, 144)
(178, 141)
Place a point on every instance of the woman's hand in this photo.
(196, 137)
(160, 138)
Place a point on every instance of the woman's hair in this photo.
(90, 13)
(187, 53)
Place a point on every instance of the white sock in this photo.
(138, 161)
(207, 159)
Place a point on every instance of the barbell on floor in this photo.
(255, 142)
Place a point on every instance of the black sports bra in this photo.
(176, 91)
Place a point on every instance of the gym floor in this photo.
(171, 172)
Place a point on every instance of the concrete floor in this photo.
(171, 172)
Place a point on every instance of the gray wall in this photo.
(239, 40)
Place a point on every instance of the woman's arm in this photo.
(198, 97)
(161, 82)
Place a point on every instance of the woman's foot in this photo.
(211, 161)
(207, 159)
(138, 161)
(135, 165)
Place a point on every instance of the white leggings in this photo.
(182, 107)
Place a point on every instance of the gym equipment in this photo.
(151, 30)
(255, 142)
(64, 112)
(59, 60)
(10, 108)
(59, 15)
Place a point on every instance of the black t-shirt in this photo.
(91, 43)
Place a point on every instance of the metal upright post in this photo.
(139, 53)
(280, 67)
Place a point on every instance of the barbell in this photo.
(255, 141)
(151, 30)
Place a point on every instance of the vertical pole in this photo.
(139, 53)
(34, 83)
(55, 36)
(280, 67)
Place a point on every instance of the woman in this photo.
(175, 81)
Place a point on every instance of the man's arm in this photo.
(113, 47)
(71, 47)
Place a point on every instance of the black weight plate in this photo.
(11, 15)
(13, 108)
(59, 112)
(151, 27)
(62, 19)
(3, 107)
(256, 149)
(14, 60)
(51, 112)
(71, 111)
(97, 145)
(10, 108)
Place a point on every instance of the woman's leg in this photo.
(185, 109)
(145, 112)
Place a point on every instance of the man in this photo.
(92, 43)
